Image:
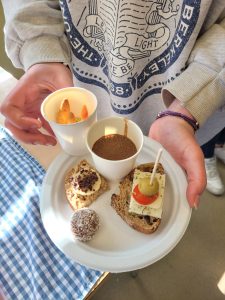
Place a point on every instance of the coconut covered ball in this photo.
(84, 224)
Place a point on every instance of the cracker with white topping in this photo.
(83, 185)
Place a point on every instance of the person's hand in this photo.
(21, 107)
(177, 137)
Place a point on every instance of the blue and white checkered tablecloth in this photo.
(31, 267)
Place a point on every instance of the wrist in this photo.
(169, 113)
(176, 106)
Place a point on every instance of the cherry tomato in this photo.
(142, 199)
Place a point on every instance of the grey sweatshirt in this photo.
(136, 56)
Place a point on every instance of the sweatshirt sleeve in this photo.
(201, 87)
(34, 32)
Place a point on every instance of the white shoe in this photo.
(214, 182)
(220, 153)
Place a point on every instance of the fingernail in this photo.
(34, 126)
(196, 203)
(50, 144)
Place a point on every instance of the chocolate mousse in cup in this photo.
(114, 144)
(70, 112)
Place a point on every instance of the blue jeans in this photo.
(208, 148)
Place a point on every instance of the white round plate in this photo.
(116, 247)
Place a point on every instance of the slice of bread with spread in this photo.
(121, 202)
(83, 185)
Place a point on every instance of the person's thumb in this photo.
(196, 177)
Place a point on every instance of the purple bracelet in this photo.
(194, 124)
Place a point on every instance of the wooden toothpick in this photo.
(155, 165)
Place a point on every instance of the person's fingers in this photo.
(186, 152)
(46, 126)
(195, 188)
(23, 127)
(13, 109)
(32, 136)
(16, 117)
(196, 176)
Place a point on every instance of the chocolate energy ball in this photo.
(84, 224)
